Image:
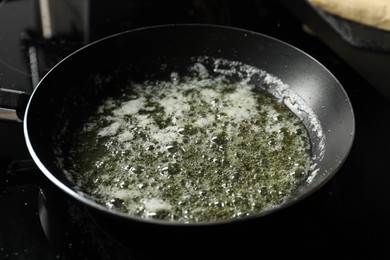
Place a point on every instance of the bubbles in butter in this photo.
(193, 148)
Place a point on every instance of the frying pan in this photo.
(74, 86)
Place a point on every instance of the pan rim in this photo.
(99, 207)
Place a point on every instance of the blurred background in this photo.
(347, 217)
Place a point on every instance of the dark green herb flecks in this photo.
(191, 151)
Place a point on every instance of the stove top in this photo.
(348, 216)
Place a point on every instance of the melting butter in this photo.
(191, 149)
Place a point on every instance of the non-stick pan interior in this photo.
(81, 80)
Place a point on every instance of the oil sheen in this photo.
(191, 149)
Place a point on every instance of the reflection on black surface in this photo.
(105, 237)
(348, 217)
(21, 236)
(62, 221)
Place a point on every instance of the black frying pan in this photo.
(71, 88)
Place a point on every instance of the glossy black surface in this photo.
(348, 217)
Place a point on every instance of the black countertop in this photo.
(348, 217)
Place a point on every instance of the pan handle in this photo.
(13, 104)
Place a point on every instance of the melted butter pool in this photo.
(191, 150)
